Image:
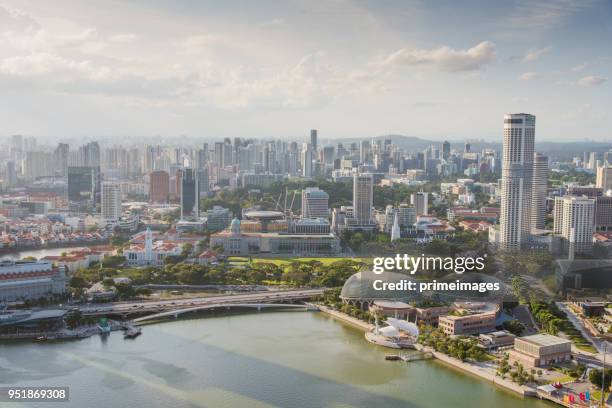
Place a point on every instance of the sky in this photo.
(275, 69)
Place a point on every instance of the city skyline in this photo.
(197, 177)
(350, 69)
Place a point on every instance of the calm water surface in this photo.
(37, 253)
(272, 359)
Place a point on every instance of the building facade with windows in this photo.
(516, 181)
(28, 280)
(315, 203)
(540, 350)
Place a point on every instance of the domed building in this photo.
(359, 290)
(241, 239)
(235, 226)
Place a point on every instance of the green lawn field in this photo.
(286, 261)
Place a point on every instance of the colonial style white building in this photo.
(149, 252)
(26, 280)
(235, 242)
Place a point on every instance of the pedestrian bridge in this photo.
(227, 306)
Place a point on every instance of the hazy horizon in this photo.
(273, 70)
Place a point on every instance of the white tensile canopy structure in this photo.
(389, 331)
(403, 325)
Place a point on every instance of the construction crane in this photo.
(277, 203)
(285, 208)
(292, 200)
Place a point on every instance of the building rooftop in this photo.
(388, 304)
(29, 316)
(275, 235)
(544, 340)
(360, 287)
(499, 333)
(261, 214)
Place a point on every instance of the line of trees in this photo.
(461, 347)
(310, 273)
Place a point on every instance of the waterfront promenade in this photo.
(479, 370)
(359, 324)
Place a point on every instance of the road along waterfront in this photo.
(283, 359)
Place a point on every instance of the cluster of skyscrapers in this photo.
(96, 179)
(577, 212)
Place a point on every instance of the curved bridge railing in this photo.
(258, 306)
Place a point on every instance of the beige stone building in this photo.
(540, 350)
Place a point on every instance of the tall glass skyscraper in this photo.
(516, 182)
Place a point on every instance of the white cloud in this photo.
(445, 58)
(579, 67)
(123, 38)
(527, 76)
(16, 21)
(591, 80)
(535, 54)
(42, 64)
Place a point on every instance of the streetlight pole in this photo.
(603, 373)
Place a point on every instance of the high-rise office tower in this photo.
(29, 143)
(604, 177)
(201, 158)
(60, 158)
(575, 222)
(91, 154)
(190, 193)
(37, 164)
(467, 148)
(292, 167)
(420, 202)
(516, 181)
(592, 164)
(539, 191)
(203, 181)
(364, 151)
(159, 187)
(328, 154)
(307, 157)
(406, 215)
(363, 198)
(228, 153)
(313, 140)
(219, 147)
(11, 173)
(84, 184)
(17, 143)
(446, 147)
(315, 203)
(111, 202)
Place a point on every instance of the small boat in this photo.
(40, 339)
(392, 357)
(132, 332)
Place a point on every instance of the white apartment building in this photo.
(575, 222)
(111, 202)
(539, 191)
(363, 198)
(420, 202)
(604, 178)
